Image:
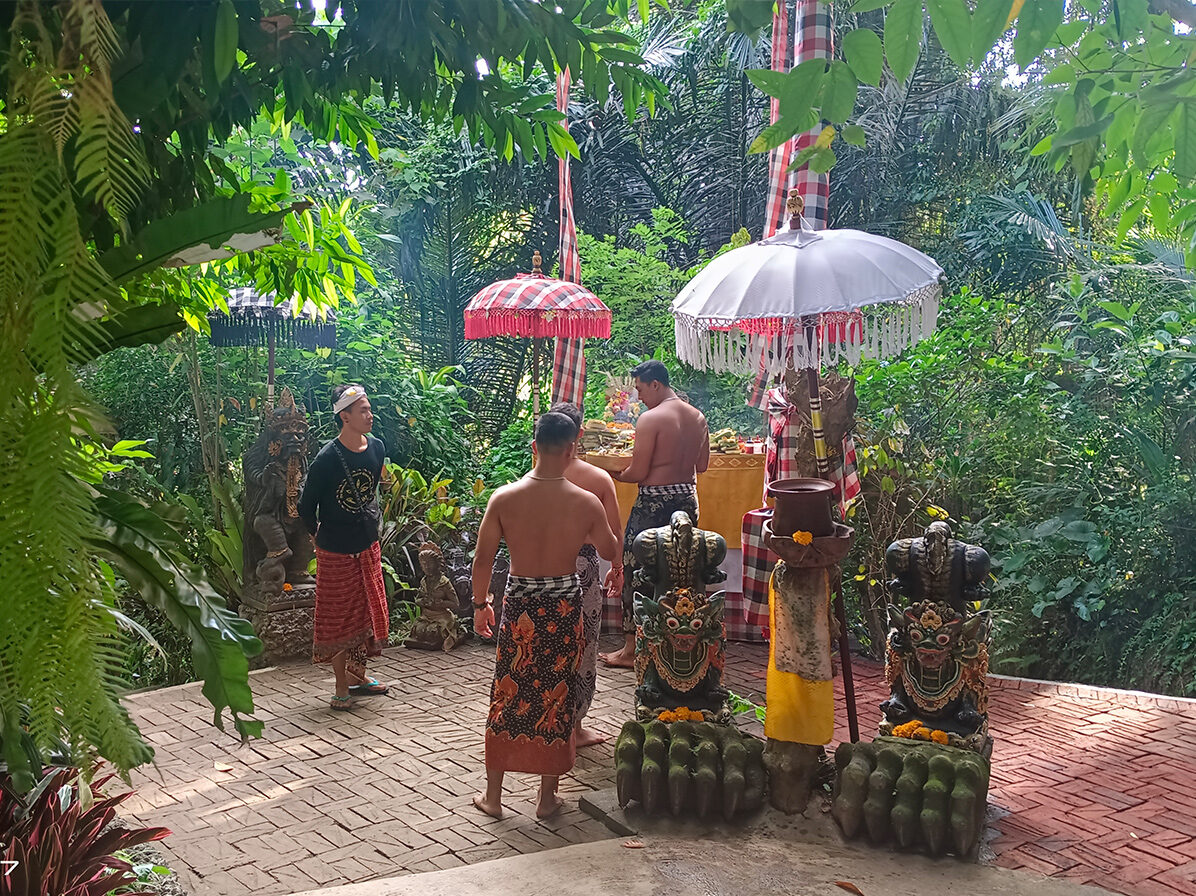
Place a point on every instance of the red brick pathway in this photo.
(1087, 784)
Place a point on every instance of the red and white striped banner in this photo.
(569, 360)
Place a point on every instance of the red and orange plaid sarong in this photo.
(351, 612)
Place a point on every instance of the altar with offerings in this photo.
(731, 487)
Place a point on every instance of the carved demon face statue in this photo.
(287, 428)
(682, 635)
(934, 633)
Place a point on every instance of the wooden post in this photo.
(810, 332)
(536, 378)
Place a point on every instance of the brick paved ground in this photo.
(1091, 785)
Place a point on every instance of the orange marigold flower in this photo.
(287, 587)
(802, 537)
(939, 737)
(922, 734)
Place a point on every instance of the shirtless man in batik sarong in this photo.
(599, 483)
(544, 519)
(672, 446)
(339, 506)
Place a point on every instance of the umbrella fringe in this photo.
(254, 330)
(533, 324)
(883, 332)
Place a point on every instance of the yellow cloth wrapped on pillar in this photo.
(799, 710)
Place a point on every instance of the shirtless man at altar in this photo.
(544, 520)
(672, 446)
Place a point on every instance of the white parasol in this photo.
(805, 298)
(868, 295)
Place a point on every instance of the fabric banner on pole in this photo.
(569, 360)
(811, 38)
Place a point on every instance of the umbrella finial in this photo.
(795, 205)
(537, 260)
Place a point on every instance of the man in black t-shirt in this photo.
(339, 506)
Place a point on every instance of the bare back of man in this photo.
(545, 523)
(675, 437)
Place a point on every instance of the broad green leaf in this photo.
(1060, 74)
(1185, 144)
(824, 160)
(1081, 133)
(770, 83)
(1129, 217)
(839, 90)
(1043, 146)
(989, 22)
(749, 17)
(224, 50)
(1131, 18)
(781, 130)
(801, 86)
(903, 37)
(1068, 33)
(1118, 310)
(643, 10)
(1150, 132)
(854, 134)
(562, 141)
(1035, 25)
(863, 51)
(953, 25)
(803, 157)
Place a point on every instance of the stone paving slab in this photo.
(1091, 785)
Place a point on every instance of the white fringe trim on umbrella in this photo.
(883, 331)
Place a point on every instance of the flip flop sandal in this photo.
(340, 704)
(369, 688)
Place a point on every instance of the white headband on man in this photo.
(350, 396)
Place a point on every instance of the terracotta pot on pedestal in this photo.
(802, 504)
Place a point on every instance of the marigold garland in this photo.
(681, 714)
(915, 730)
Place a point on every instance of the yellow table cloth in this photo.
(732, 486)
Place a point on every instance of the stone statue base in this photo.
(284, 623)
(916, 795)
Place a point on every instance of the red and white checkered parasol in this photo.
(533, 306)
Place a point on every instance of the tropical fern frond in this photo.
(60, 654)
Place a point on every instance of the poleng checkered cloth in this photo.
(778, 158)
(846, 477)
(569, 359)
(813, 39)
(758, 563)
(780, 461)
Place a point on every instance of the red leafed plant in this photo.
(52, 843)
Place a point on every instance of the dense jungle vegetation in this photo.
(1052, 417)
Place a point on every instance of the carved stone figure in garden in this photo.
(278, 593)
(277, 547)
(937, 660)
(438, 626)
(679, 628)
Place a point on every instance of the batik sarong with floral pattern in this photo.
(532, 699)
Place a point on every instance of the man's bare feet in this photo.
(584, 737)
(494, 811)
(620, 659)
(547, 808)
